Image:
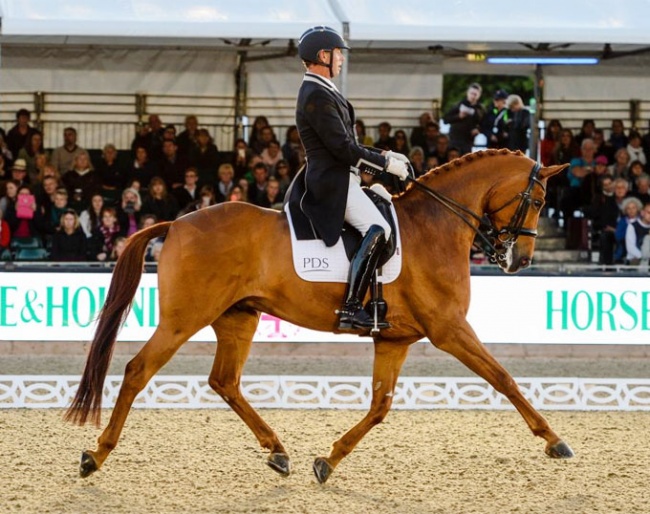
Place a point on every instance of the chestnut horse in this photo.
(243, 255)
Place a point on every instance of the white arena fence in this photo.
(320, 392)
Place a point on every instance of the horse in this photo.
(243, 255)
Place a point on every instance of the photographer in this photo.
(128, 212)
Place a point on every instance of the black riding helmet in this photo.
(316, 39)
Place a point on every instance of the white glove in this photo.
(397, 167)
(398, 156)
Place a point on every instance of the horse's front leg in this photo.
(463, 344)
(235, 330)
(389, 358)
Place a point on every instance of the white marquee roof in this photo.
(372, 24)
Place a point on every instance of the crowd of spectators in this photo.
(83, 204)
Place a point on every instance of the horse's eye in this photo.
(538, 204)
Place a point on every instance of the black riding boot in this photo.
(362, 267)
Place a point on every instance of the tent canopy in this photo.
(451, 26)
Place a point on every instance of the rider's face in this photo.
(337, 58)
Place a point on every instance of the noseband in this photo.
(496, 242)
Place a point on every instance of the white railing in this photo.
(320, 392)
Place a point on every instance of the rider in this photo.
(333, 194)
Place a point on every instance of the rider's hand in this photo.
(398, 156)
(396, 167)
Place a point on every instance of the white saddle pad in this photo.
(315, 262)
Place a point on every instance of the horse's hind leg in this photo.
(465, 346)
(151, 357)
(389, 358)
(235, 330)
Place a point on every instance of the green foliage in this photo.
(454, 88)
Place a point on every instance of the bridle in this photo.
(496, 242)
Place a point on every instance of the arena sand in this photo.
(206, 461)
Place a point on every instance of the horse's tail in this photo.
(124, 284)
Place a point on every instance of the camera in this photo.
(129, 208)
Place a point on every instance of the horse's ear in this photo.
(549, 171)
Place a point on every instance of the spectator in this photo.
(118, 248)
(33, 147)
(272, 198)
(19, 133)
(271, 155)
(401, 142)
(606, 212)
(46, 191)
(495, 122)
(143, 169)
(580, 167)
(186, 140)
(258, 124)
(48, 171)
(603, 147)
(153, 139)
(567, 149)
(189, 191)
(52, 212)
(172, 166)
(291, 148)
(635, 170)
(206, 199)
(244, 186)
(635, 149)
(103, 238)
(550, 141)
(284, 175)
(431, 138)
(637, 238)
(81, 182)
(621, 164)
(591, 184)
(416, 158)
(90, 218)
(22, 213)
(4, 172)
(5, 234)
(257, 190)
(617, 137)
(642, 189)
(237, 194)
(146, 221)
(158, 201)
(240, 161)
(465, 119)
(418, 133)
(264, 138)
(631, 208)
(360, 130)
(205, 157)
(128, 212)
(9, 198)
(518, 125)
(385, 141)
(169, 133)
(69, 241)
(441, 152)
(41, 163)
(111, 173)
(19, 172)
(63, 157)
(586, 132)
(225, 183)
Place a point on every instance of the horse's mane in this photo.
(461, 161)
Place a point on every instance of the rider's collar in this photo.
(312, 77)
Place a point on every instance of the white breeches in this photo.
(360, 212)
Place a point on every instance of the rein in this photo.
(495, 242)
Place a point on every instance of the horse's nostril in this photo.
(524, 262)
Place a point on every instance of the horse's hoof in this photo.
(280, 462)
(88, 465)
(560, 450)
(322, 469)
